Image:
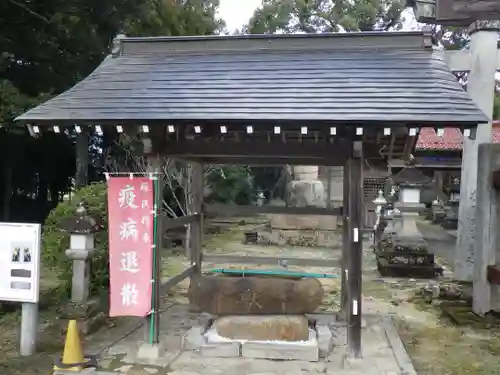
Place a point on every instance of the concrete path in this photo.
(382, 350)
(441, 242)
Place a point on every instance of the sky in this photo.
(236, 13)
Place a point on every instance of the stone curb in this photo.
(400, 354)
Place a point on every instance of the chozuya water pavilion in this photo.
(319, 99)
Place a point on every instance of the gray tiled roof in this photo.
(336, 78)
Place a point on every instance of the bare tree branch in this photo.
(39, 16)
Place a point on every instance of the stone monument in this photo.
(305, 190)
(402, 252)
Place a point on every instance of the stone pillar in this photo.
(80, 252)
(480, 86)
(82, 229)
(485, 296)
(380, 203)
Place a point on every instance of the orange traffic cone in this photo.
(72, 359)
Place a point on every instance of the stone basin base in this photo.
(207, 340)
(296, 237)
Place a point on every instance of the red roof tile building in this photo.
(441, 157)
(452, 139)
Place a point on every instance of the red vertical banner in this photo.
(130, 213)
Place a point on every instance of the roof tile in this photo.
(354, 82)
(452, 139)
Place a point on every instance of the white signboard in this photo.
(19, 262)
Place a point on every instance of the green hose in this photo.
(250, 272)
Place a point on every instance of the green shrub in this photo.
(231, 184)
(55, 241)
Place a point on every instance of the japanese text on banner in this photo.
(130, 205)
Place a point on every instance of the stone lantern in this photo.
(380, 203)
(82, 228)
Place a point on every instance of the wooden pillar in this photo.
(355, 264)
(329, 187)
(196, 232)
(344, 302)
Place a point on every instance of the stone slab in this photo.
(303, 237)
(193, 339)
(252, 295)
(300, 351)
(87, 371)
(221, 350)
(263, 327)
(325, 340)
(150, 351)
(303, 222)
(280, 351)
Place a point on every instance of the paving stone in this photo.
(271, 350)
(142, 371)
(151, 370)
(105, 363)
(119, 349)
(263, 327)
(163, 361)
(325, 340)
(193, 339)
(221, 350)
(123, 368)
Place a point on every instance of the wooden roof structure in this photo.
(307, 90)
(306, 99)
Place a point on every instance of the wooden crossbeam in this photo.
(235, 259)
(176, 279)
(217, 209)
(172, 223)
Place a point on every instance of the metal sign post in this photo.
(20, 276)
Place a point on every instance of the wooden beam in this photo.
(496, 180)
(398, 163)
(172, 223)
(456, 12)
(218, 209)
(272, 161)
(234, 259)
(346, 240)
(254, 149)
(409, 145)
(476, 9)
(355, 249)
(265, 153)
(196, 230)
(460, 61)
(174, 280)
(391, 145)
